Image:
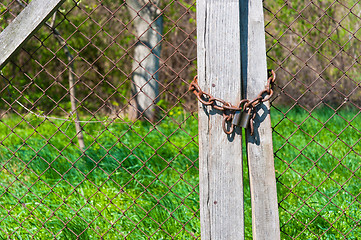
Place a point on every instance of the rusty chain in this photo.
(245, 106)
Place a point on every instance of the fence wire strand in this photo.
(115, 75)
(314, 45)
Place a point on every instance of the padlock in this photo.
(245, 117)
(237, 118)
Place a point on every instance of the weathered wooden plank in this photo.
(24, 26)
(219, 73)
(265, 222)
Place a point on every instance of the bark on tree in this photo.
(148, 23)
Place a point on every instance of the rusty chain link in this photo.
(229, 110)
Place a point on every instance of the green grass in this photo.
(128, 182)
(317, 161)
(142, 181)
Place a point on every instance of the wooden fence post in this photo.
(219, 73)
(24, 26)
(265, 222)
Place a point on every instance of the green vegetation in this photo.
(317, 161)
(137, 179)
(134, 187)
(312, 46)
(131, 180)
(101, 37)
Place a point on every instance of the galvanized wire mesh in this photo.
(137, 177)
(134, 178)
(315, 48)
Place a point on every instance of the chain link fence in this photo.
(98, 132)
(82, 157)
(314, 46)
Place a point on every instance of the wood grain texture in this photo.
(24, 26)
(219, 73)
(265, 222)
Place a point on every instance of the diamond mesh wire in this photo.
(315, 48)
(137, 177)
(134, 178)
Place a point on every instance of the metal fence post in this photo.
(219, 71)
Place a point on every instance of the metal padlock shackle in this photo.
(245, 118)
(241, 118)
(234, 117)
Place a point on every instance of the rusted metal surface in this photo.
(245, 106)
(313, 47)
(150, 190)
(316, 110)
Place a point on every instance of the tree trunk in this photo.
(73, 100)
(149, 26)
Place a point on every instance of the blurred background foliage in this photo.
(315, 48)
(102, 38)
